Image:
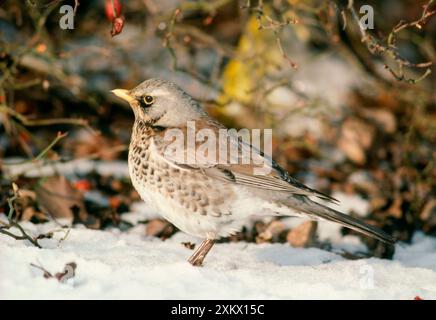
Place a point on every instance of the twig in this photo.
(59, 136)
(63, 276)
(24, 235)
(284, 54)
(207, 6)
(274, 25)
(426, 13)
(76, 5)
(12, 223)
(400, 76)
(46, 274)
(27, 84)
(375, 46)
(41, 122)
(167, 43)
(344, 20)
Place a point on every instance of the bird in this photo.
(212, 198)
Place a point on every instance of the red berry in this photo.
(117, 26)
(112, 11)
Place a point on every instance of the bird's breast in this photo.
(190, 189)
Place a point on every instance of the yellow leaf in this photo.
(256, 54)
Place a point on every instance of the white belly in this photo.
(207, 226)
(203, 226)
(228, 205)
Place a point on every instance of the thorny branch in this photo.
(25, 58)
(41, 122)
(274, 25)
(375, 46)
(12, 223)
(169, 38)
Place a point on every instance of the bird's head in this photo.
(161, 103)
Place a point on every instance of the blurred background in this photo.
(353, 111)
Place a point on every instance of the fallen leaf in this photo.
(87, 144)
(68, 273)
(356, 137)
(395, 209)
(384, 118)
(117, 26)
(57, 197)
(428, 210)
(271, 232)
(159, 228)
(28, 213)
(303, 234)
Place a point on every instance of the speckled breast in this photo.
(189, 189)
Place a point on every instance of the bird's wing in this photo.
(276, 179)
(252, 168)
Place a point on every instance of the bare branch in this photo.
(41, 122)
(375, 46)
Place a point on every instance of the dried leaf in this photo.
(428, 210)
(302, 235)
(356, 138)
(395, 209)
(159, 228)
(384, 118)
(68, 272)
(117, 26)
(271, 232)
(58, 198)
(28, 213)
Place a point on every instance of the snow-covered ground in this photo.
(121, 265)
(129, 264)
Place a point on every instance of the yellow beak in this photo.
(123, 94)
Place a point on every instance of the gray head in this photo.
(161, 103)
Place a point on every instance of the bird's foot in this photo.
(197, 258)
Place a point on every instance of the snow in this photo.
(348, 203)
(129, 265)
(119, 265)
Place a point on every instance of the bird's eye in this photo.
(148, 100)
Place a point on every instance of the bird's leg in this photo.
(197, 258)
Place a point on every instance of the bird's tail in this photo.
(320, 211)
